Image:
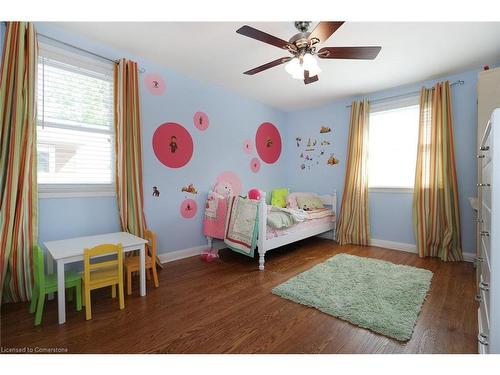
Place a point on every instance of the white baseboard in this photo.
(411, 248)
(408, 247)
(181, 254)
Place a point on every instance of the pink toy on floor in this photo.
(209, 255)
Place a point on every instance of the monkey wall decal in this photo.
(173, 144)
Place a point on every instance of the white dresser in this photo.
(488, 98)
(488, 261)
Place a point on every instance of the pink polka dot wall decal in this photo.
(172, 145)
(189, 207)
(268, 142)
(248, 146)
(154, 84)
(228, 183)
(200, 120)
(255, 165)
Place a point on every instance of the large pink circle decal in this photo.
(268, 142)
(200, 120)
(255, 165)
(154, 84)
(172, 145)
(189, 207)
(228, 183)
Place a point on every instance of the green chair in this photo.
(45, 284)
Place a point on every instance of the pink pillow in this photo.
(291, 199)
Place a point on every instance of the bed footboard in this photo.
(262, 236)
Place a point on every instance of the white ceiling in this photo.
(213, 52)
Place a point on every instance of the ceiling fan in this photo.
(302, 46)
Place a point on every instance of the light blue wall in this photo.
(232, 117)
(390, 213)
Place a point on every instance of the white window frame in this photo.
(387, 105)
(78, 189)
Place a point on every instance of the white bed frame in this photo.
(264, 244)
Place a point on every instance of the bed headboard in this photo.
(330, 200)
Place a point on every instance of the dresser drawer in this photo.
(484, 251)
(485, 218)
(482, 337)
(484, 305)
(486, 180)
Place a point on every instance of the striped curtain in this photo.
(436, 215)
(128, 148)
(18, 183)
(353, 226)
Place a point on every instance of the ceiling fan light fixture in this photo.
(310, 63)
(295, 69)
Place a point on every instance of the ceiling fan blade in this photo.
(263, 37)
(324, 30)
(271, 64)
(308, 79)
(367, 53)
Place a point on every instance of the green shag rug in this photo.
(381, 296)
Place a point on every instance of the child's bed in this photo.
(270, 238)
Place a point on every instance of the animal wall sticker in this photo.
(154, 84)
(268, 143)
(332, 160)
(315, 150)
(173, 145)
(248, 146)
(188, 208)
(200, 121)
(189, 189)
(255, 165)
(156, 192)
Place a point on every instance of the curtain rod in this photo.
(456, 83)
(141, 70)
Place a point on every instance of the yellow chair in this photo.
(98, 275)
(132, 262)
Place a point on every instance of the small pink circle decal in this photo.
(268, 142)
(200, 120)
(172, 145)
(248, 146)
(189, 207)
(154, 84)
(255, 165)
(229, 183)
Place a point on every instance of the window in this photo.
(393, 144)
(75, 142)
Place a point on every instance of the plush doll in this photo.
(223, 188)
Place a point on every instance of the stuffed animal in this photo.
(254, 194)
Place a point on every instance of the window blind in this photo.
(75, 142)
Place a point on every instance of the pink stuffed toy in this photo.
(254, 194)
(209, 255)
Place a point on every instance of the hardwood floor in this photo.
(228, 307)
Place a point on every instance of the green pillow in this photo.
(309, 203)
(278, 197)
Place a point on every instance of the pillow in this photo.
(278, 197)
(291, 200)
(309, 203)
